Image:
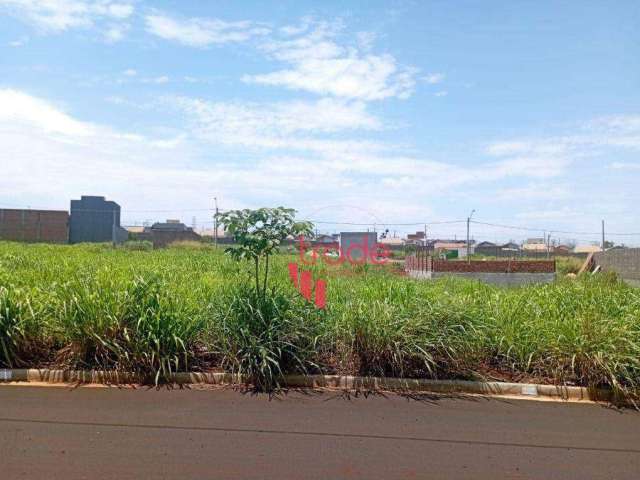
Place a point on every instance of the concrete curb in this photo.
(343, 382)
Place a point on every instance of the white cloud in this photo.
(115, 33)
(534, 191)
(291, 30)
(366, 40)
(555, 214)
(20, 42)
(433, 78)
(20, 109)
(441, 93)
(624, 166)
(60, 15)
(130, 72)
(202, 32)
(319, 64)
(552, 156)
(295, 124)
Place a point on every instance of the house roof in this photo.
(170, 226)
(450, 246)
(534, 247)
(587, 249)
(486, 244)
(391, 241)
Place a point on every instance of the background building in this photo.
(94, 219)
(49, 226)
(353, 244)
(453, 249)
(162, 234)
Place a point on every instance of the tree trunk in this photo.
(257, 259)
(266, 273)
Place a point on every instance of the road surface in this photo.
(109, 433)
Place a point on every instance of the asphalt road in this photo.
(98, 433)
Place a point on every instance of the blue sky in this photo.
(386, 112)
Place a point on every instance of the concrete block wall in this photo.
(504, 279)
(494, 266)
(625, 262)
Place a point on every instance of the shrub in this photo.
(265, 335)
(565, 265)
(137, 245)
(190, 245)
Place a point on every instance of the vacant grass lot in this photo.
(154, 312)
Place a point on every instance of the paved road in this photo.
(98, 433)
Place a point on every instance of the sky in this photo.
(391, 114)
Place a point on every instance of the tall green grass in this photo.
(265, 336)
(156, 312)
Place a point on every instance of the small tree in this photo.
(258, 234)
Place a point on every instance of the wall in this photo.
(497, 272)
(503, 279)
(494, 266)
(625, 262)
(48, 226)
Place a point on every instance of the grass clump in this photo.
(14, 311)
(135, 327)
(264, 336)
(137, 245)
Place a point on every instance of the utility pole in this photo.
(215, 223)
(548, 244)
(468, 241)
(113, 229)
(603, 235)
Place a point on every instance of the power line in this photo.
(358, 224)
(326, 222)
(31, 207)
(538, 229)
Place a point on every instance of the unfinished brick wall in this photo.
(494, 266)
(48, 226)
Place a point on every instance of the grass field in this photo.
(155, 312)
